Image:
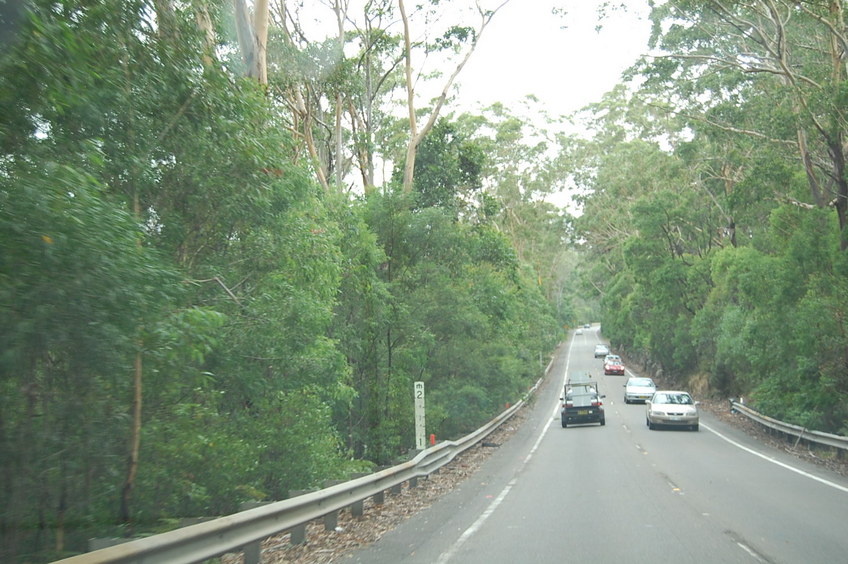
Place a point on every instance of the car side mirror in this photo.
(603, 396)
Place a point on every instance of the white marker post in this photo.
(420, 431)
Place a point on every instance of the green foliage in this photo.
(448, 168)
(76, 289)
(151, 212)
(714, 249)
(464, 318)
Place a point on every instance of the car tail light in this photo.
(568, 404)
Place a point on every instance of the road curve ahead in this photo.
(624, 493)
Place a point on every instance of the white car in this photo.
(639, 389)
(601, 350)
(671, 408)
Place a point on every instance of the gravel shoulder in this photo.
(352, 533)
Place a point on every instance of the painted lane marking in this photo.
(774, 461)
(469, 532)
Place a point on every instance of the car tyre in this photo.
(626, 400)
(603, 422)
(651, 426)
(564, 424)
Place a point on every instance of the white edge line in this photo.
(773, 461)
(445, 556)
(448, 554)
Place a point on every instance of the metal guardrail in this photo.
(827, 439)
(241, 531)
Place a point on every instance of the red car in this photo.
(613, 367)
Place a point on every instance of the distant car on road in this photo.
(612, 358)
(671, 408)
(601, 350)
(639, 389)
(586, 326)
(613, 366)
(578, 331)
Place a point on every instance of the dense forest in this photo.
(229, 248)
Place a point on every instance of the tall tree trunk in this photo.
(838, 145)
(261, 31)
(252, 34)
(340, 9)
(204, 24)
(412, 146)
(125, 514)
(135, 441)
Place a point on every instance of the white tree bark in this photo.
(416, 135)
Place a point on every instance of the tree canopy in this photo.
(229, 249)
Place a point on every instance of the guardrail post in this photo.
(331, 520)
(357, 509)
(380, 497)
(297, 535)
(252, 552)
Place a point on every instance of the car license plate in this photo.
(675, 418)
(582, 412)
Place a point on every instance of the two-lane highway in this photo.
(625, 493)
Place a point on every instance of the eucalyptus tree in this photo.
(191, 262)
(759, 84)
(75, 289)
(452, 39)
(782, 59)
(345, 86)
(464, 316)
(522, 174)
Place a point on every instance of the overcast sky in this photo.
(525, 51)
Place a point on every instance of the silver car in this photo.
(601, 350)
(671, 408)
(639, 389)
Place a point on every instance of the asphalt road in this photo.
(623, 493)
